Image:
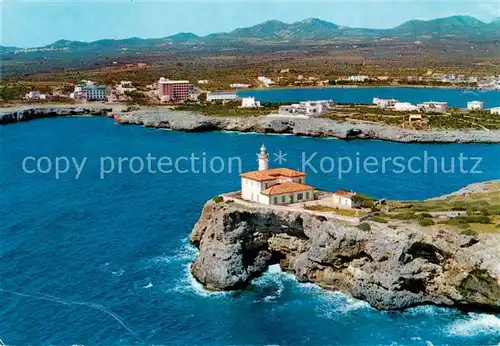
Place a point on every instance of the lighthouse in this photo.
(263, 158)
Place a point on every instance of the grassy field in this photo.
(481, 210)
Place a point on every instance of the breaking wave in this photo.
(475, 324)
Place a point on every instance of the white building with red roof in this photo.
(344, 199)
(275, 186)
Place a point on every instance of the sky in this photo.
(32, 23)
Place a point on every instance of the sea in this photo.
(454, 97)
(100, 254)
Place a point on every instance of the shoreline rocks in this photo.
(10, 116)
(195, 122)
(388, 268)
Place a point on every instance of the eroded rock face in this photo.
(390, 269)
(14, 116)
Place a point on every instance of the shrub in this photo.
(365, 226)
(379, 219)
(475, 219)
(425, 222)
(404, 216)
(469, 232)
(375, 210)
(218, 199)
(229, 201)
(426, 215)
(497, 226)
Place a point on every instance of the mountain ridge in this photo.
(310, 29)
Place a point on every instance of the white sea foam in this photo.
(186, 253)
(275, 278)
(475, 324)
(119, 272)
(188, 284)
(148, 285)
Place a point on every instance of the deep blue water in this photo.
(93, 261)
(454, 97)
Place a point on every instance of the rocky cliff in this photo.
(389, 268)
(193, 122)
(15, 115)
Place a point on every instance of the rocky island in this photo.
(391, 265)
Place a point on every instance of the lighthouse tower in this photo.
(263, 158)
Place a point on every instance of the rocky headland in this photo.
(317, 127)
(19, 114)
(194, 122)
(389, 267)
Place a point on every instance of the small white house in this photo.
(344, 199)
(239, 86)
(404, 106)
(415, 117)
(495, 110)
(222, 96)
(275, 186)
(475, 105)
(432, 106)
(265, 81)
(249, 102)
(384, 103)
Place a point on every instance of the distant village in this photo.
(167, 91)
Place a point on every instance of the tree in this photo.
(202, 97)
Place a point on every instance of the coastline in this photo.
(166, 118)
(391, 266)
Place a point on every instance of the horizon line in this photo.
(262, 22)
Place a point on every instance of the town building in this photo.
(495, 110)
(358, 78)
(265, 81)
(384, 103)
(306, 109)
(33, 95)
(125, 86)
(239, 86)
(404, 106)
(344, 199)
(275, 186)
(94, 92)
(434, 107)
(249, 102)
(90, 91)
(173, 90)
(415, 117)
(475, 105)
(222, 96)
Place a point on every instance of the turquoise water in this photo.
(106, 261)
(454, 97)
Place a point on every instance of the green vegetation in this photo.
(379, 219)
(218, 199)
(136, 98)
(365, 227)
(425, 222)
(469, 232)
(365, 201)
(480, 210)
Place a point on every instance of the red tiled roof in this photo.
(344, 193)
(273, 173)
(287, 187)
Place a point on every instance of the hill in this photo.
(312, 29)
